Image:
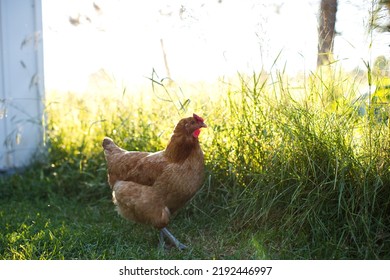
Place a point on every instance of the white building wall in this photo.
(21, 83)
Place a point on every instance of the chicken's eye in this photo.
(192, 122)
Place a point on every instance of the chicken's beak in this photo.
(199, 120)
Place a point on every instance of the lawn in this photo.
(295, 170)
(38, 222)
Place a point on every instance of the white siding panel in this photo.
(21, 82)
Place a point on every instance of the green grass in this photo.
(38, 222)
(294, 171)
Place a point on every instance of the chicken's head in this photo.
(191, 125)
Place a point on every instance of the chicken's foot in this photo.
(172, 239)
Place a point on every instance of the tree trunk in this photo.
(326, 31)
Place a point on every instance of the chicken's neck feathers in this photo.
(180, 147)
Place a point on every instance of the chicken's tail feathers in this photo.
(107, 141)
(109, 146)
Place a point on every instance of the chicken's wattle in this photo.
(196, 133)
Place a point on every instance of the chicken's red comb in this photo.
(196, 117)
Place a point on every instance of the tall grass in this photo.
(311, 168)
(295, 159)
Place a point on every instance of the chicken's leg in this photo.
(165, 232)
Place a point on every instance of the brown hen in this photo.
(149, 188)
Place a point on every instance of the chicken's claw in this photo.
(172, 239)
